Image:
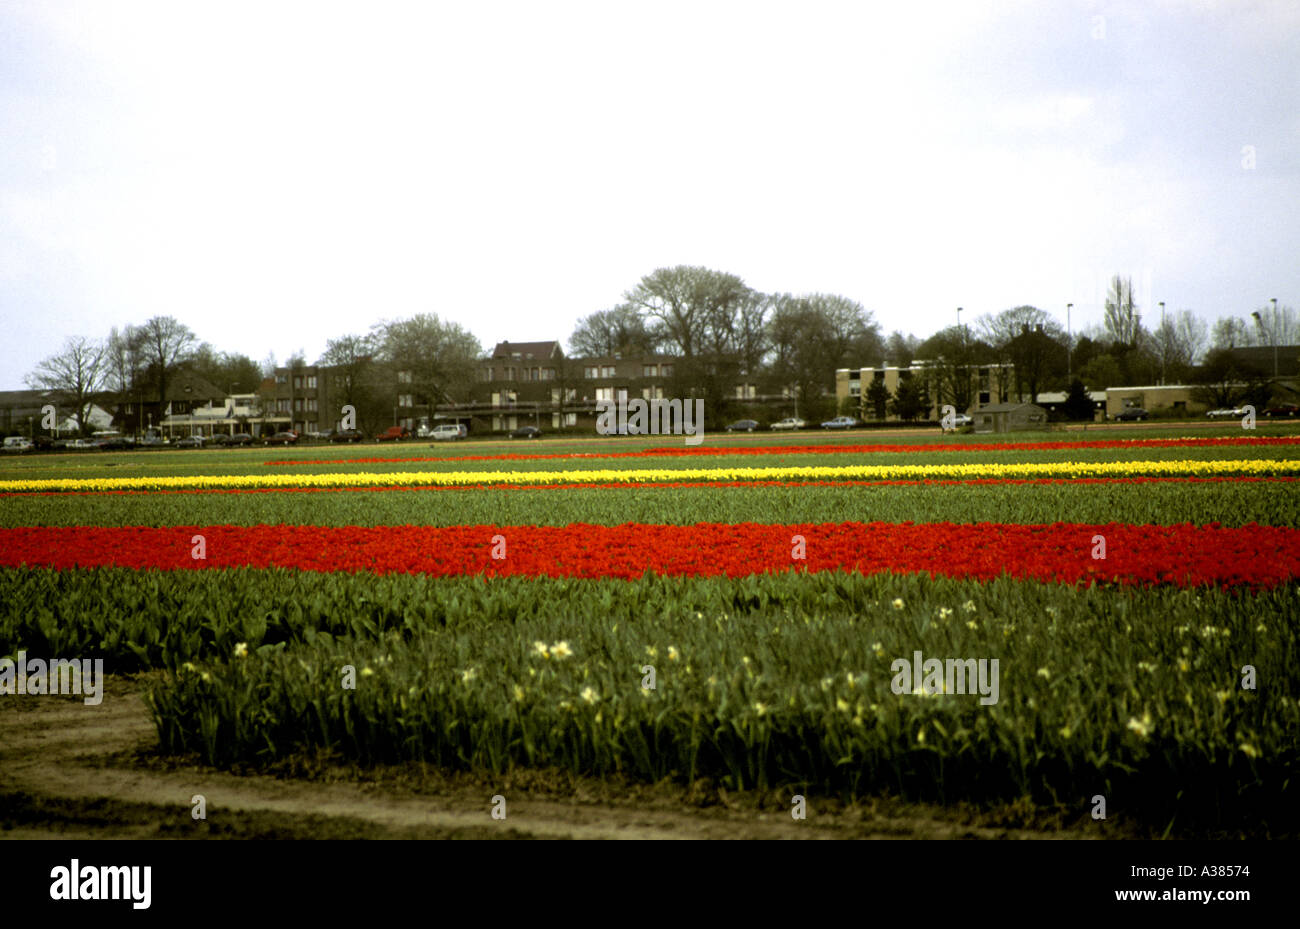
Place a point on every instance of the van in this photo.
(17, 443)
(449, 431)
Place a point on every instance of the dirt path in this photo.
(75, 771)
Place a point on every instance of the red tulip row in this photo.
(1183, 555)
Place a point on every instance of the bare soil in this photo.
(68, 770)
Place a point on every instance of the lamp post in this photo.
(1275, 327)
(1164, 343)
(1069, 345)
(1273, 335)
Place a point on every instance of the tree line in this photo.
(721, 333)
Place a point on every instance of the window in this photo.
(311, 382)
(311, 404)
(297, 382)
(534, 374)
(485, 374)
(591, 372)
(548, 374)
(649, 370)
(855, 388)
(403, 377)
(510, 374)
(282, 405)
(666, 370)
(297, 405)
(604, 393)
(607, 371)
(652, 393)
(406, 400)
(282, 378)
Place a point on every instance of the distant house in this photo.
(1010, 417)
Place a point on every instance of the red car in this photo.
(393, 434)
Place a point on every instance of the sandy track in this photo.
(76, 771)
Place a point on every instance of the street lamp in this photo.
(1259, 321)
(1164, 342)
(1069, 344)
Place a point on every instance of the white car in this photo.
(448, 431)
(790, 422)
(840, 422)
(17, 443)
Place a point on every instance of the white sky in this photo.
(277, 174)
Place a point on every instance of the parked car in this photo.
(526, 432)
(790, 422)
(1284, 409)
(18, 443)
(153, 441)
(83, 444)
(393, 434)
(743, 425)
(113, 443)
(348, 435)
(840, 422)
(1133, 413)
(280, 438)
(191, 441)
(964, 419)
(1225, 413)
(448, 432)
(43, 443)
(241, 439)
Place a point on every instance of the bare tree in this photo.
(1123, 325)
(165, 342)
(1179, 342)
(73, 376)
(618, 331)
(441, 357)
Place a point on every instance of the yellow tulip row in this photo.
(1055, 469)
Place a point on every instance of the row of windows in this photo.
(300, 405)
(591, 372)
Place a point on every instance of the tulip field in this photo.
(730, 612)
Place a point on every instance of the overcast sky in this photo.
(275, 174)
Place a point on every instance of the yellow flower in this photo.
(760, 708)
(920, 734)
(1147, 666)
(540, 649)
(1224, 695)
(652, 651)
(561, 650)
(841, 704)
(969, 606)
(241, 649)
(1249, 750)
(589, 695)
(672, 653)
(944, 612)
(1065, 732)
(366, 671)
(898, 603)
(1141, 726)
(519, 694)
(207, 678)
(468, 675)
(1044, 673)
(1183, 665)
(971, 624)
(878, 648)
(188, 666)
